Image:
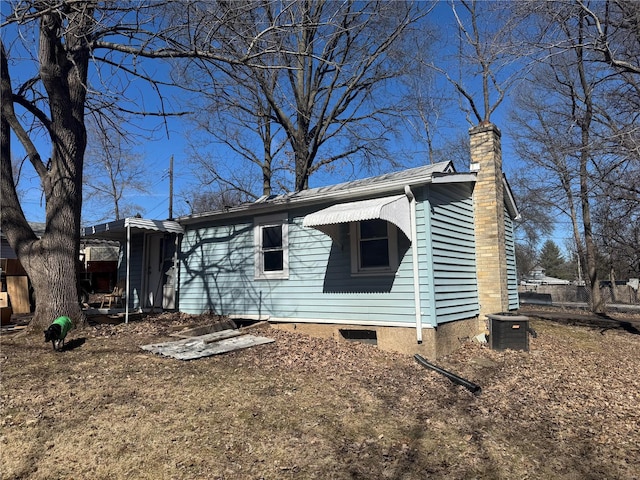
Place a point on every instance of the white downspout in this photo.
(175, 271)
(414, 257)
(126, 288)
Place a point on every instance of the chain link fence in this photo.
(558, 294)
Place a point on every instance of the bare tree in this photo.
(616, 32)
(541, 129)
(426, 104)
(316, 80)
(64, 61)
(113, 171)
(207, 201)
(537, 220)
(576, 85)
(615, 29)
(50, 106)
(487, 56)
(617, 233)
(584, 132)
(239, 122)
(526, 259)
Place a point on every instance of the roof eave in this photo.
(512, 207)
(322, 196)
(118, 227)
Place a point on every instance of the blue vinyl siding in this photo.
(512, 275)
(217, 274)
(217, 269)
(453, 252)
(5, 250)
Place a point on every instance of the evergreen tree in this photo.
(552, 260)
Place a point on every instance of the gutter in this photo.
(414, 258)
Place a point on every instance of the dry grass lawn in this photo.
(307, 408)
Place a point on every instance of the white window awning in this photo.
(395, 209)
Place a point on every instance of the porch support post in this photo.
(176, 275)
(126, 289)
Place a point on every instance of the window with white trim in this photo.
(271, 245)
(374, 247)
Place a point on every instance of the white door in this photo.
(154, 271)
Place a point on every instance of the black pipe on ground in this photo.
(472, 387)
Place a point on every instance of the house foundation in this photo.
(436, 342)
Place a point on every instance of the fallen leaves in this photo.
(306, 407)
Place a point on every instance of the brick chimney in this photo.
(489, 208)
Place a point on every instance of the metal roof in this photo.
(118, 228)
(389, 183)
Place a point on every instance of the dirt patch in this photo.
(314, 408)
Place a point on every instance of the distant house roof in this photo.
(537, 276)
(389, 183)
(545, 280)
(5, 249)
(37, 227)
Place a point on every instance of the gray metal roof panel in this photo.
(366, 187)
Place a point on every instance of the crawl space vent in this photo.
(362, 336)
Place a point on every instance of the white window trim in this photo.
(356, 270)
(281, 220)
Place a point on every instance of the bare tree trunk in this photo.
(48, 261)
(612, 279)
(597, 305)
(267, 173)
(302, 171)
(51, 261)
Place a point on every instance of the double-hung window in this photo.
(374, 247)
(271, 245)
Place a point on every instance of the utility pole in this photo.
(171, 188)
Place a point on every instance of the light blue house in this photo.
(413, 259)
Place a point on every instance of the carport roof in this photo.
(117, 229)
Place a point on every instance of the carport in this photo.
(151, 261)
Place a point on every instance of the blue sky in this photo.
(158, 152)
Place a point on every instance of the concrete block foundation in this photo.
(436, 342)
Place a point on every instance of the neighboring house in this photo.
(414, 259)
(98, 266)
(13, 277)
(147, 260)
(7, 253)
(537, 276)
